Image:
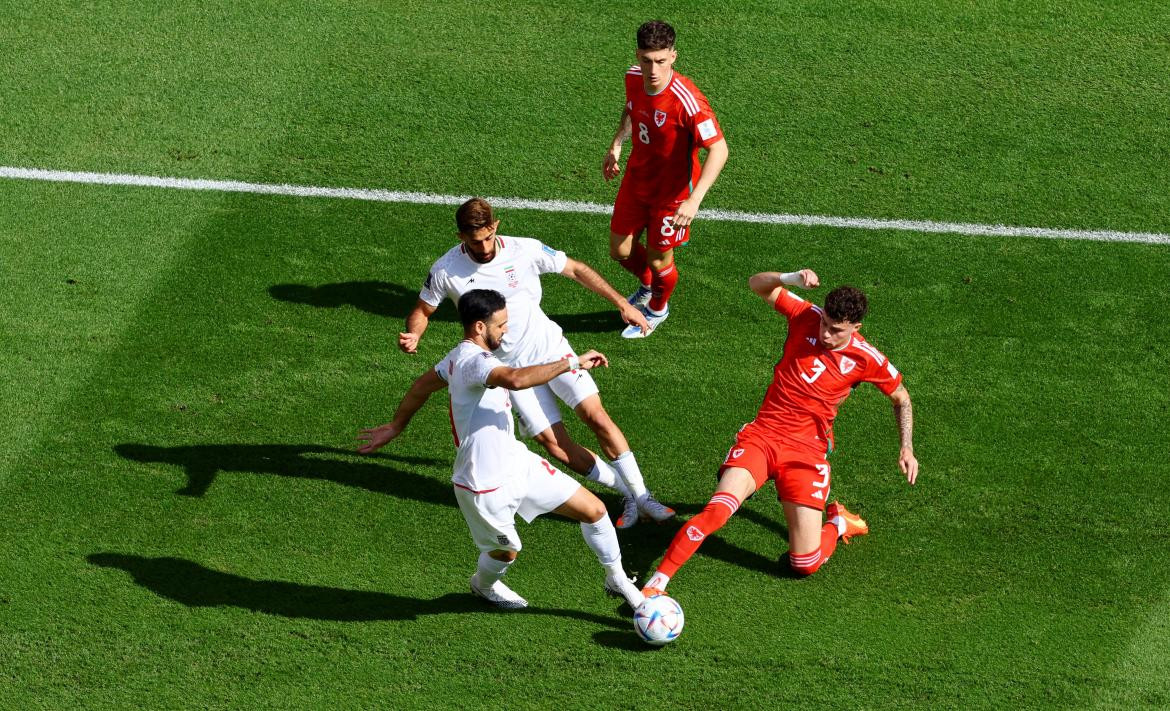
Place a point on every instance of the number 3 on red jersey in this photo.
(817, 368)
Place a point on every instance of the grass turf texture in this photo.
(186, 527)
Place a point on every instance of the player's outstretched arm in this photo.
(533, 375)
(416, 325)
(903, 413)
(767, 285)
(610, 167)
(421, 390)
(588, 277)
(712, 167)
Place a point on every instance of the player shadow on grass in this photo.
(202, 463)
(194, 585)
(380, 298)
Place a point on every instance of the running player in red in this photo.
(825, 357)
(668, 120)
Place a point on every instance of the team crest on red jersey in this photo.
(847, 364)
(659, 118)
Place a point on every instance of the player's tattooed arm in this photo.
(416, 325)
(610, 168)
(420, 391)
(904, 415)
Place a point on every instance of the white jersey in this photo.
(481, 419)
(532, 337)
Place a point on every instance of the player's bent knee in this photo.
(503, 555)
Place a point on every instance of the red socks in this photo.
(691, 535)
(663, 286)
(808, 563)
(636, 264)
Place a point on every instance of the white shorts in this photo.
(536, 488)
(536, 408)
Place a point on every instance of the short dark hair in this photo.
(474, 214)
(655, 34)
(479, 305)
(846, 303)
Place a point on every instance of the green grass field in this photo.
(185, 524)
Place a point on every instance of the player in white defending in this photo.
(496, 477)
(512, 266)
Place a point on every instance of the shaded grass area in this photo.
(188, 525)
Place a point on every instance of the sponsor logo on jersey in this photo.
(811, 340)
(659, 117)
(707, 129)
(847, 364)
(549, 250)
(695, 534)
(818, 495)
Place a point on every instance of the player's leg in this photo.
(804, 484)
(490, 519)
(615, 446)
(540, 418)
(628, 222)
(601, 537)
(735, 485)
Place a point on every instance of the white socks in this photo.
(605, 475)
(840, 524)
(627, 469)
(490, 570)
(601, 537)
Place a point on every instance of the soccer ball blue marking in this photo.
(659, 620)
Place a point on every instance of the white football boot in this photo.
(652, 319)
(625, 587)
(498, 594)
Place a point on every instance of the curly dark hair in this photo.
(655, 34)
(846, 303)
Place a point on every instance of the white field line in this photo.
(394, 196)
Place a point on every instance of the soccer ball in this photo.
(658, 620)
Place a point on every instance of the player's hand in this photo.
(811, 280)
(593, 359)
(408, 342)
(634, 317)
(908, 464)
(684, 214)
(610, 168)
(377, 437)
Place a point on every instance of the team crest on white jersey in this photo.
(513, 280)
(659, 118)
(847, 364)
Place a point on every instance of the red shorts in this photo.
(800, 471)
(631, 215)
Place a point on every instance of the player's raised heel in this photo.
(498, 594)
(854, 524)
(651, 508)
(641, 297)
(629, 513)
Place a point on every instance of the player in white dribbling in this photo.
(513, 266)
(496, 477)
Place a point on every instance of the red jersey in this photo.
(810, 381)
(667, 131)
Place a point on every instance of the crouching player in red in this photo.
(792, 436)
